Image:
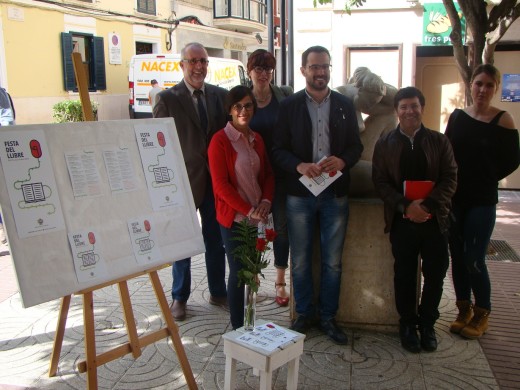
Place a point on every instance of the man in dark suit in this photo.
(198, 111)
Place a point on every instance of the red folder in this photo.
(417, 189)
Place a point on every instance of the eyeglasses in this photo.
(193, 61)
(260, 69)
(239, 107)
(324, 67)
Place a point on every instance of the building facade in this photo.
(395, 40)
(108, 33)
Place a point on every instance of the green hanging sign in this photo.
(437, 25)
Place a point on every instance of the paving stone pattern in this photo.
(371, 360)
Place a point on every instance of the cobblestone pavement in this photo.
(371, 360)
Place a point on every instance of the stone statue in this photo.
(374, 103)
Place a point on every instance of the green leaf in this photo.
(70, 111)
(252, 260)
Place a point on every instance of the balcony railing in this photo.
(246, 10)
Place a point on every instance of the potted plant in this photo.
(70, 111)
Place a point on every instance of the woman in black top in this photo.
(260, 68)
(485, 144)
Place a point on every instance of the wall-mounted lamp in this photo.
(258, 38)
(173, 23)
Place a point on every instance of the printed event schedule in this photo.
(84, 174)
(30, 182)
(121, 176)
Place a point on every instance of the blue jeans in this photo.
(281, 242)
(215, 256)
(303, 216)
(235, 293)
(469, 239)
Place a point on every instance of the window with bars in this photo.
(146, 6)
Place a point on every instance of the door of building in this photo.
(439, 80)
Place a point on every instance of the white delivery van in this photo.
(165, 68)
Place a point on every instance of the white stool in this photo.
(262, 360)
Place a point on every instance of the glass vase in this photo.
(249, 308)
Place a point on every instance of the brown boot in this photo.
(464, 316)
(478, 324)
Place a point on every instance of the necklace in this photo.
(264, 99)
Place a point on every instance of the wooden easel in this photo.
(93, 361)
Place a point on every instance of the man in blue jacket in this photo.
(317, 135)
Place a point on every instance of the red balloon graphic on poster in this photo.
(161, 139)
(36, 149)
(147, 225)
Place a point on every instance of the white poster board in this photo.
(108, 219)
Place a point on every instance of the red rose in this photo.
(270, 235)
(261, 244)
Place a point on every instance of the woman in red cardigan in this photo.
(243, 184)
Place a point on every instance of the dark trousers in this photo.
(215, 256)
(469, 239)
(235, 293)
(409, 241)
(281, 242)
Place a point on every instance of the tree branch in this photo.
(456, 41)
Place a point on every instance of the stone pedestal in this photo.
(367, 282)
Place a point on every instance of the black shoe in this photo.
(331, 329)
(178, 310)
(428, 339)
(409, 338)
(218, 301)
(301, 324)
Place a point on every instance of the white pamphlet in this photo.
(144, 240)
(30, 181)
(268, 336)
(317, 184)
(87, 255)
(160, 170)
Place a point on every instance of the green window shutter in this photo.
(98, 57)
(69, 80)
